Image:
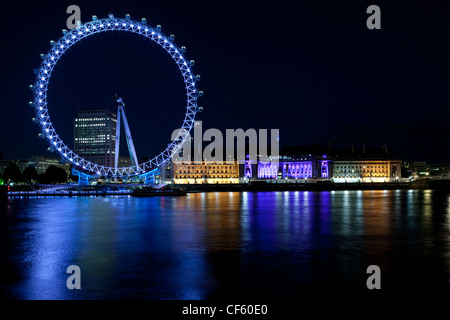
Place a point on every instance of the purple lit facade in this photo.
(295, 167)
(248, 171)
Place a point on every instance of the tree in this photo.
(42, 178)
(12, 173)
(55, 174)
(30, 174)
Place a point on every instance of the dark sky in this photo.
(311, 69)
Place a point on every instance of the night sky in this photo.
(311, 69)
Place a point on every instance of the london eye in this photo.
(41, 106)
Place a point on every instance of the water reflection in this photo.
(213, 245)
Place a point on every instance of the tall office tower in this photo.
(95, 136)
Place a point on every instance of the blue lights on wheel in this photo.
(96, 26)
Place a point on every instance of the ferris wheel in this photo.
(96, 26)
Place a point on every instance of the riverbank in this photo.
(253, 186)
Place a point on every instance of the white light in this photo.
(101, 26)
(45, 129)
(61, 46)
(45, 71)
(54, 143)
(80, 33)
(40, 93)
(40, 100)
(132, 25)
(116, 24)
(139, 27)
(59, 149)
(65, 154)
(109, 24)
(57, 51)
(43, 78)
(48, 64)
(124, 24)
(40, 108)
(41, 86)
(147, 30)
(67, 41)
(73, 37)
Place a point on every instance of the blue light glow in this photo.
(114, 24)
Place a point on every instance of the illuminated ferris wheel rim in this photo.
(96, 26)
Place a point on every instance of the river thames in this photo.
(267, 245)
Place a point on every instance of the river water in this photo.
(222, 245)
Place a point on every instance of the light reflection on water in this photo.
(214, 245)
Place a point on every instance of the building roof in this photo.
(363, 154)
